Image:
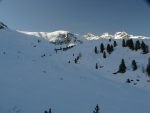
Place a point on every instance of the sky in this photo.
(78, 16)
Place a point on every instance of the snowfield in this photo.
(34, 77)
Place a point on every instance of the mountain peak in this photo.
(106, 35)
(90, 36)
(120, 35)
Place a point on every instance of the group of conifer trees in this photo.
(102, 49)
(122, 66)
(135, 46)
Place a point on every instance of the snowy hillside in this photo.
(36, 75)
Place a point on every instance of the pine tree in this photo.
(108, 48)
(148, 68)
(97, 109)
(123, 43)
(96, 51)
(145, 49)
(122, 67)
(45, 111)
(143, 45)
(96, 66)
(50, 110)
(102, 48)
(104, 54)
(137, 45)
(130, 44)
(115, 44)
(75, 61)
(134, 65)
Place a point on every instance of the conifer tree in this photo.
(123, 43)
(75, 61)
(137, 45)
(108, 48)
(104, 54)
(95, 49)
(148, 68)
(115, 44)
(50, 110)
(130, 44)
(97, 109)
(96, 66)
(45, 111)
(134, 65)
(145, 49)
(143, 45)
(122, 67)
(102, 48)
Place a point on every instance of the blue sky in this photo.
(79, 16)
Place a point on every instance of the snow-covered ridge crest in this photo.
(117, 35)
(58, 37)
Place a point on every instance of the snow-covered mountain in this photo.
(117, 35)
(57, 37)
(90, 36)
(35, 77)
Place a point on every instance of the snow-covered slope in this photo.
(34, 77)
